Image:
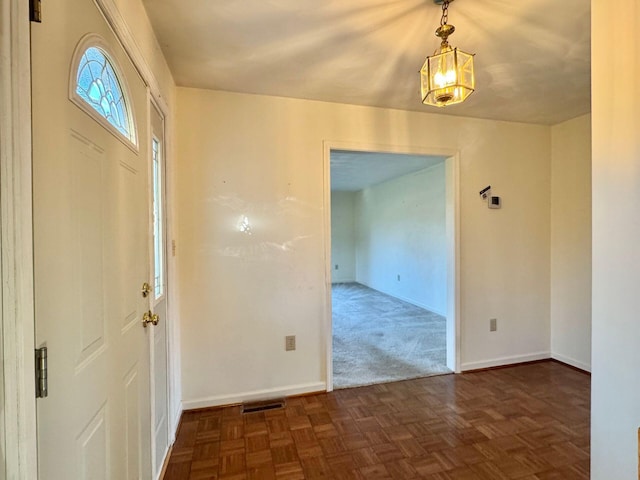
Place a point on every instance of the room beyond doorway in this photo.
(378, 338)
(394, 223)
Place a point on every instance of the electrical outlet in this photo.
(493, 324)
(290, 343)
(398, 277)
(336, 266)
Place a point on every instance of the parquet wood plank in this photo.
(527, 422)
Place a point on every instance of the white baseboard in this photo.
(405, 299)
(342, 280)
(236, 398)
(175, 423)
(502, 361)
(571, 361)
(165, 464)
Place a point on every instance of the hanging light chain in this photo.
(445, 13)
(444, 30)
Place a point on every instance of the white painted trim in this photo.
(163, 471)
(343, 280)
(151, 279)
(454, 322)
(175, 383)
(16, 238)
(172, 418)
(123, 33)
(504, 361)
(219, 400)
(173, 332)
(453, 260)
(177, 414)
(328, 312)
(571, 361)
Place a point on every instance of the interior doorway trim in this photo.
(452, 169)
(16, 240)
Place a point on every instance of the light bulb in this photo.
(444, 79)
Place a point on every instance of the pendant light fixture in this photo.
(447, 76)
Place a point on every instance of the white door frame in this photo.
(452, 168)
(17, 319)
(16, 238)
(151, 105)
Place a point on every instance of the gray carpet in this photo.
(378, 338)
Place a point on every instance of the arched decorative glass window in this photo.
(96, 83)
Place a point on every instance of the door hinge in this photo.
(42, 382)
(35, 11)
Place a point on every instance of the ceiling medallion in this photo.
(446, 78)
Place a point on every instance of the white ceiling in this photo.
(532, 56)
(354, 171)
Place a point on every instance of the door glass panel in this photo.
(158, 227)
(97, 85)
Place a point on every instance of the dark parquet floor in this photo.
(528, 422)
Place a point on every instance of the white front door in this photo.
(158, 333)
(91, 250)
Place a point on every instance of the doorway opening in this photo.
(391, 256)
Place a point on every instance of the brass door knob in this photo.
(150, 318)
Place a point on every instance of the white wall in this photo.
(343, 237)
(571, 242)
(401, 231)
(262, 157)
(505, 253)
(615, 408)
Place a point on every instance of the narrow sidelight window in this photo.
(158, 224)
